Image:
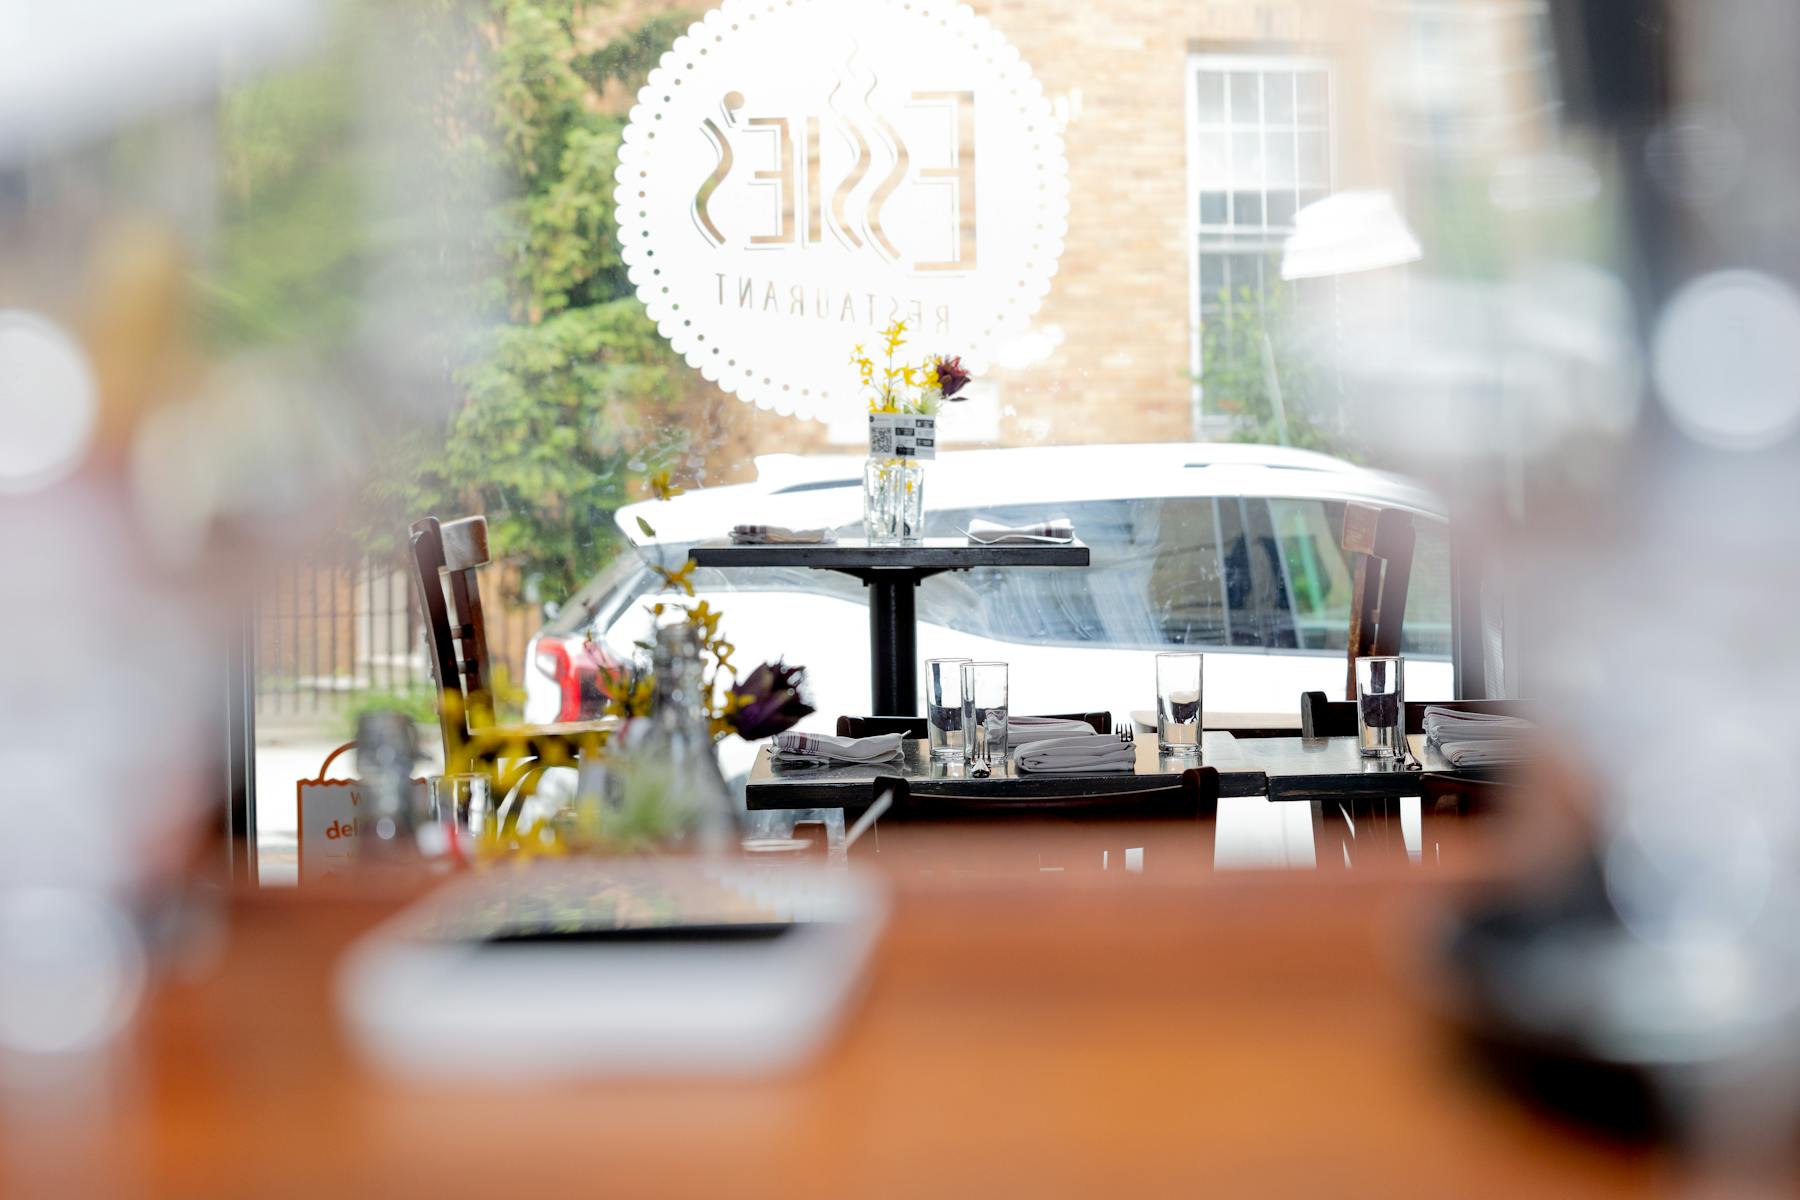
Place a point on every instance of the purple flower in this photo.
(951, 376)
(768, 701)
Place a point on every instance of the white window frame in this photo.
(1198, 61)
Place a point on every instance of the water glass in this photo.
(460, 805)
(943, 706)
(1178, 691)
(984, 714)
(1380, 708)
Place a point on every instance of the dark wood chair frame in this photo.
(1320, 717)
(1379, 542)
(473, 742)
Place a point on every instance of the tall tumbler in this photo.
(1179, 684)
(1380, 708)
(943, 706)
(984, 714)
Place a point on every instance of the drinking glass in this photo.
(984, 714)
(1178, 691)
(943, 706)
(1380, 707)
(460, 806)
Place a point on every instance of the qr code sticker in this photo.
(881, 438)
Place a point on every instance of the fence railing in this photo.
(334, 635)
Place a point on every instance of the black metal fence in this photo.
(333, 636)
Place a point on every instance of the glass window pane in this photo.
(1426, 629)
(1212, 208)
(1281, 169)
(1279, 209)
(1209, 94)
(1246, 158)
(1246, 102)
(1247, 208)
(1278, 97)
(1209, 156)
(1317, 572)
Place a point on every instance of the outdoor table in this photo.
(1281, 768)
(892, 575)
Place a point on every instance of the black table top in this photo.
(1283, 768)
(935, 554)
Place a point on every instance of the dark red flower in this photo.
(951, 376)
(768, 701)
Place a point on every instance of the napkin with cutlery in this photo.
(1473, 739)
(1088, 754)
(1056, 530)
(779, 535)
(1020, 730)
(795, 747)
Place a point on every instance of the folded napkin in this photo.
(793, 747)
(1092, 753)
(1456, 725)
(1471, 739)
(1490, 753)
(1020, 730)
(992, 533)
(779, 535)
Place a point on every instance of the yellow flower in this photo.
(661, 487)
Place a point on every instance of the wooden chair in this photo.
(473, 742)
(914, 727)
(1379, 542)
(1172, 821)
(1192, 795)
(1320, 717)
(1457, 796)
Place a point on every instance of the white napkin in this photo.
(1020, 730)
(779, 535)
(1474, 739)
(992, 533)
(1093, 753)
(793, 746)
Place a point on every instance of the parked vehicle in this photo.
(1229, 549)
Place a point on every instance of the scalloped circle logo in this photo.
(798, 173)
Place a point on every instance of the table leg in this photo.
(893, 646)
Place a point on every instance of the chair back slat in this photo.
(455, 630)
(1194, 795)
(1380, 543)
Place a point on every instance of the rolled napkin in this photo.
(1092, 754)
(1020, 730)
(792, 746)
(992, 533)
(779, 535)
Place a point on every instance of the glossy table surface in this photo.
(1281, 768)
(1178, 1033)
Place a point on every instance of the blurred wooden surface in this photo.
(1178, 1033)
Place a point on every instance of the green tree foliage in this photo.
(568, 397)
(1252, 348)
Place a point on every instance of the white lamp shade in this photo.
(1348, 232)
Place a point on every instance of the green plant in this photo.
(1256, 367)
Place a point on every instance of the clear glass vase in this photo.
(660, 789)
(894, 501)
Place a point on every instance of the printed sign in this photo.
(332, 818)
(798, 173)
(902, 435)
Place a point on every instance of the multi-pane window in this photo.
(1260, 150)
